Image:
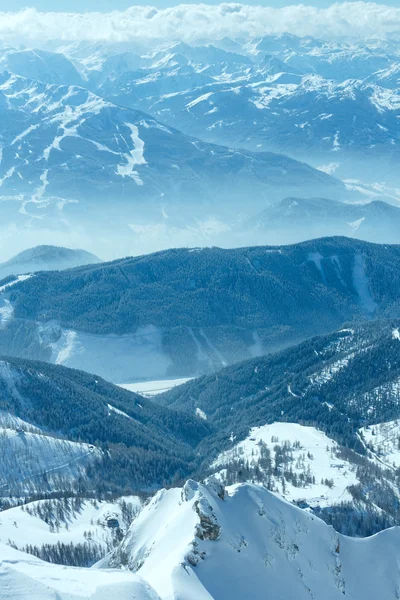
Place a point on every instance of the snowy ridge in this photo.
(205, 542)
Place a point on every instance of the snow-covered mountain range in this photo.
(315, 423)
(88, 126)
(74, 161)
(305, 422)
(318, 100)
(302, 423)
(278, 366)
(307, 116)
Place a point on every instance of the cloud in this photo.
(187, 22)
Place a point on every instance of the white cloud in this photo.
(187, 22)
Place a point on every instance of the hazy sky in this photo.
(108, 5)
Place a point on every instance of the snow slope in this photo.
(383, 441)
(66, 521)
(201, 544)
(23, 576)
(30, 462)
(6, 309)
(311, 452)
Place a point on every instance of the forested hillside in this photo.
(338, 383)
(142, 445)
(193, 311)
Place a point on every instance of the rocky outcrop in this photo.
(208, 527)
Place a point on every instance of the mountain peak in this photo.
(254, 541)
(46, 258)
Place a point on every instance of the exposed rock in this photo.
(217, 487)
(208, 528)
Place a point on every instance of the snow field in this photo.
(314, 453)
(23, 576)
(23, 526)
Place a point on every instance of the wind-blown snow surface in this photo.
(23, 576)
(201, 544)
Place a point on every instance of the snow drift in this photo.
(23, 576)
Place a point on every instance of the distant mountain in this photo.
(243, 541)
(48, 67)
(284, 93)
(185, 312)
(73, 161)
(125, 441)
(297, 219)
(336, 60)
(273, 108)
(387, 78)
(322, 102)
(46, 258)
(75, 140)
